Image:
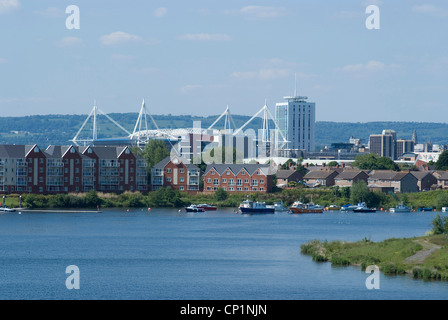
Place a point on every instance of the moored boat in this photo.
(349, 207)
(332, 207)
(362, 207)
(194, 208)
(248, 206)
(207, 207)
(6, 209)
(299, 207)
(400, 208)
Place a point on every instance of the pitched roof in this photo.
(349, 174)
(319, 174)
(440, 174)
(387, 175)
(162, 164)
(420, 174)
(14, 151)
(251, 168)
(284, 174)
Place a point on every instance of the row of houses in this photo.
(381, 180)
(62, 169)
(179, 173)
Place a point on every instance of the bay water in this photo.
(167, 254)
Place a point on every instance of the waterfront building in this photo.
(63, 169)
(320, 177)
(426, 180)
(286, 176)
(238, 177)
(402, 182)
(296, 120)
(175, 173)
(347, 177)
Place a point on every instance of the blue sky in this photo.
(196, 57)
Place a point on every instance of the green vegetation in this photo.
(423, 257)
(371, 161)
(393, 256)
(442, 162)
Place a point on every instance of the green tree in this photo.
(442, 200)
(359, 192)
(440, 224)
(221, 194)
(154, 152)
(372, 161)
(442, 162)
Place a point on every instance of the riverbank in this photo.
(423, 257)
(168, 198)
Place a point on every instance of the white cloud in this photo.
(8, 5)
(190, 87)
(160, 12)
(261, 12)
(369, 66)
(119, 37)
(51, 12)
(205, 37)
(70, 42)
(429, 9)
(262, 74)
(425, 8)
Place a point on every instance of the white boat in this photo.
(278, 206)
(349, 207)
(362, 207)
(194, 208)
(248, 206)
(400, 208)
(6, 209)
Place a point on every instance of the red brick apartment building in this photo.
(176, 173)
(63, 169)
(238, 178)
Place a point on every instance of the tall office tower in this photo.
(296, 120)
(404, 146)
(384, 144)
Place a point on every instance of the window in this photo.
(231, 182)
(239, 182)
(181, 188)
(228, 172)
(215, 182)
(181, 170)
(255, 182)
(261, 181)
(246, 180)
(243, 173)
(168, 179)
(181, 179)
(212, 172)
(209, 180)
(168, 170)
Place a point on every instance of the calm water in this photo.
(220, 255)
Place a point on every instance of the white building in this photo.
(296, 120)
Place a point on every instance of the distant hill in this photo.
(45, 130)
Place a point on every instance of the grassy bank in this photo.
(421, 257)
(173, 198)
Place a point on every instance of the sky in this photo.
(197, 57)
